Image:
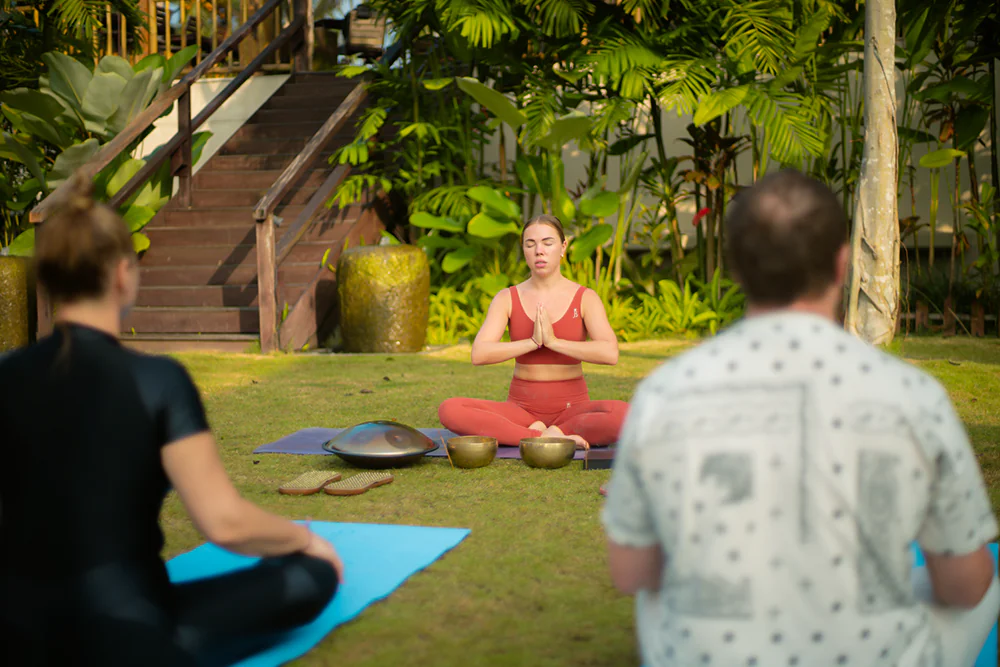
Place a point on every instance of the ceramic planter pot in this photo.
(17, 303)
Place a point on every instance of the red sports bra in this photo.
(569, 327)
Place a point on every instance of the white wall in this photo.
(226, 120)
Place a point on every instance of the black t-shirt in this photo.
(82, 421)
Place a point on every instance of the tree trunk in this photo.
(873, 292)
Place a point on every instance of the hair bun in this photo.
(79, 197)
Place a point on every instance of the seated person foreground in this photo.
(548, 394)
(109, 431)
(769, 483)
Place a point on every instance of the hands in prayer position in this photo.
(543, 325)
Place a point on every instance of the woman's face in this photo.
(543, 249)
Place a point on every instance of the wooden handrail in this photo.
(298, 228)
(311, 151)
(164, 152)
(126, 137)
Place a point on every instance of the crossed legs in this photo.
(594, 422)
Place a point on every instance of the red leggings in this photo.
(565, 404)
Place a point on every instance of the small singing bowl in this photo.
(472, 451)
(547, 452)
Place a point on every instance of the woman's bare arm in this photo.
(602, 348)
(215, 506)
(488, 348)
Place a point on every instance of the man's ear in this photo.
(843, 266)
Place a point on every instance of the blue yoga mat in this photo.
(377, 560)
(988, 656)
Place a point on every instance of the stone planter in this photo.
(17, 303)
(384, 294)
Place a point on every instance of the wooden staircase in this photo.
(199, 277)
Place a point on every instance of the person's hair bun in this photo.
(79, 197)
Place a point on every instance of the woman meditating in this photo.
(94, 436)
(549, 318)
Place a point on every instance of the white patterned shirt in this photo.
(785, 468)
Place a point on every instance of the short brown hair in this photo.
(545, 219)
(77, 246)
(783, 236)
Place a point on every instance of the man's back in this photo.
(785, 468)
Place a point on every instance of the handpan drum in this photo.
(380, 444)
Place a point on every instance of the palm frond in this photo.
(627, 63)
(609, 114)
(481, 22)
(790, 122)
(760, 30)
(448, 200)
(683, 82)
(559, 18)
(542, 105)
(82, 17)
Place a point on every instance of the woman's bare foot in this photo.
(537, 426)
(555, 431)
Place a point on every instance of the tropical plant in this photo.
(74, 112)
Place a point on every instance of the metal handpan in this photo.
(380, 444)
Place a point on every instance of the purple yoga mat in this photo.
(310, 441)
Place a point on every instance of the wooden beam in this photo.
(288, 34)
(184, 129)
(304, 160)
(304, 56)
(126, 137)
(302, 223)
(167, 150)
(267, 284)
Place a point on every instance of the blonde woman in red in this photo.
(555, 325)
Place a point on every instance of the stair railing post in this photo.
(304, 54)
(184, 167)
(267, 282)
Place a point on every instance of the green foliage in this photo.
(76, 110)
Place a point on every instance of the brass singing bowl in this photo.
(547, 452)
(472, 451)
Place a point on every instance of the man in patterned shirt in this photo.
(769, 483)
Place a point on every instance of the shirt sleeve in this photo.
(960, 516)
(627, 514)
(181, 413)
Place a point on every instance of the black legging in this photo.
(214, 621)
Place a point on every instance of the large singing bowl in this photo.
(547, 452)
(471, 451)
(380, 444)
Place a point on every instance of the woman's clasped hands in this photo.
(543, 334)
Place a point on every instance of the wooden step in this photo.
(247, 198)
(251, 162)
(263, 116)
(215, 217)
(307, 100)
(192, 320)
(232, 236)
(276, 131)
(225, 274)
(334, 85)
(264, 178)
(212, 296)
(162, 343)
(256, 146)
(218, 255)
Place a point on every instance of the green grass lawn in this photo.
(529, 585)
